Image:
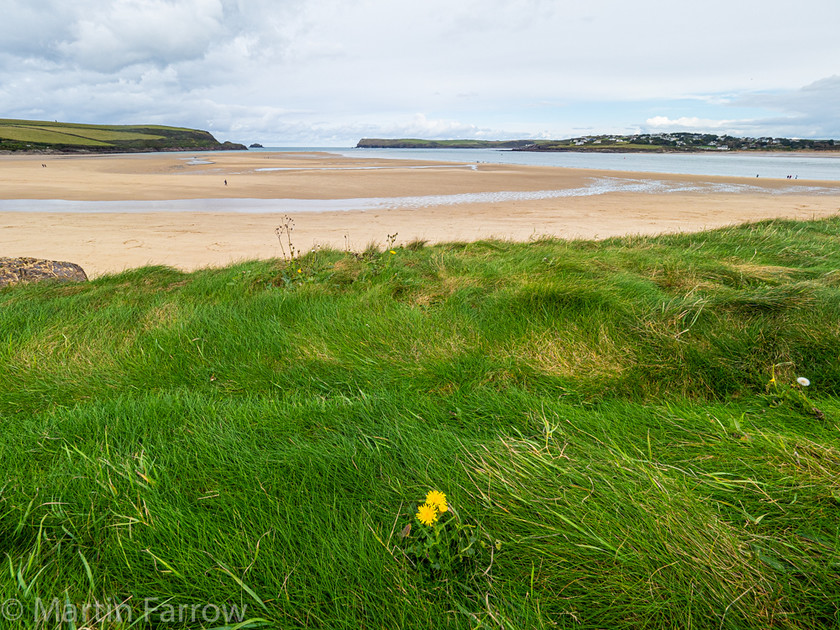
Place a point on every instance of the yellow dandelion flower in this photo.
(427, 514)
(438, 499)
(393, 252)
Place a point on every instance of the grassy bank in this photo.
(617, 427)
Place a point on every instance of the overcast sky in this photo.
(329, 72)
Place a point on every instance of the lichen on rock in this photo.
(24, 270)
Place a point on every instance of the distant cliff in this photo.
(414, 143)
(56, 137)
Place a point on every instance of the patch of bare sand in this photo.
(110, 242)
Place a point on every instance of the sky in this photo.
(330, 72)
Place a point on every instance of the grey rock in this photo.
(24, 270)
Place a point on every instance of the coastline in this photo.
(106, 242)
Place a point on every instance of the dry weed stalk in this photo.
(285, 229)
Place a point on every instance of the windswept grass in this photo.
(603, 413)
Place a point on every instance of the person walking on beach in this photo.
(225, 182)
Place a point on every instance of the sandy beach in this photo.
(196, 210)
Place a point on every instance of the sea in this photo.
(737, 164)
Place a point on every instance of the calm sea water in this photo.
(776, 166)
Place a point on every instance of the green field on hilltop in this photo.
(30, 135)
(617, 426)
(43, 136)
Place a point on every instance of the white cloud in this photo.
(420, 126)
(688, 123)
(127, 32)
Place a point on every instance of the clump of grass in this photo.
(601, 409)
(416, 244)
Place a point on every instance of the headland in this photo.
(53, 137)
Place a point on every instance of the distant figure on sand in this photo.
(225, 182)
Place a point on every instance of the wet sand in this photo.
(102, 242)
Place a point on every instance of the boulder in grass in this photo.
(23, 270)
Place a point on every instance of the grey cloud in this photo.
(30, 30)
(806, 112)
(809, 112)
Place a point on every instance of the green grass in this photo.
(44, 136)
(259, 436)
(84, 126)
(105, 134)
(69, 134)
(29, 135)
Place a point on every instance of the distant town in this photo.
(683, 141)
(660, 142)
